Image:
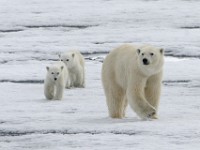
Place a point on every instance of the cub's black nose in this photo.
(55, 79)
(145, 61)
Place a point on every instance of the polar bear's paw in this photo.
(149, 113)
(152, 115)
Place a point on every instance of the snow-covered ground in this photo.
(33, 32)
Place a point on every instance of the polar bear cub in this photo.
(133, 75)
(57, 78)
(75, 63)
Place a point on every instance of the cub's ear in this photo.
(47, 68)
(62, 67)
(138, 51)
(73, 55)
(161, 50)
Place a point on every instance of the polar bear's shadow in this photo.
(108, 120)
(43, 100)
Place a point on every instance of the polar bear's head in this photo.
(54, 72)
(68, 59)
(150, 59)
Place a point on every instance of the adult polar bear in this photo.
(133, 75)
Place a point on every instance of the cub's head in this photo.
(68, 59)
(54, 72)
(150, 59)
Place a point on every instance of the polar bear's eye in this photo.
(142, 54)
(67, 59)
(57, 73)
(52, 73)
(151, 54)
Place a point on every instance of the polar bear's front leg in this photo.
(68, 83)
(137, 101)
(48, 91)
(80, 78)
(72, 78)
(153, 89)
(59, 92)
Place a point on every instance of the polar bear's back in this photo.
(120, 55)
(118, 62)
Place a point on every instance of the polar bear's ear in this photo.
(161, 50)
(73, 55)
(47, 68)
(138, 51)
(62, 67)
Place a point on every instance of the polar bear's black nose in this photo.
(145, 61)
(55, 79)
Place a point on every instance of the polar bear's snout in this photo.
(55, 79)
(145, 61)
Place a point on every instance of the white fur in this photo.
(126, 80)
(76, 65)
(54, 89)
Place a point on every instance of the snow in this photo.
(33, 32)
